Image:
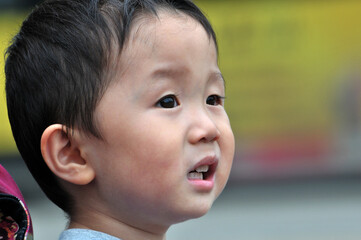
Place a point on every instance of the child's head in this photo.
(117, 108)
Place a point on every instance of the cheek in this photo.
(156, 147)
(227, 147)
(148, 156)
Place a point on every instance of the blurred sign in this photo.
(293, 77)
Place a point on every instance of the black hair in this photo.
(56, 70)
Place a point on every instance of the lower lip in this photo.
(202, 185)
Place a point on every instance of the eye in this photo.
(214, 100)
(169, 101)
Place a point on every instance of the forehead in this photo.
(170, 21)
(160, 31)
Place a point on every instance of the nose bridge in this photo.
(203, 126)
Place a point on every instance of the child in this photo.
(117, 109)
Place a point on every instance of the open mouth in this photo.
(204, 172)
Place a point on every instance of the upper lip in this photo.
(210, 160)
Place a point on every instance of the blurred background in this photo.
(293, 82)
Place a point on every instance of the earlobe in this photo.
(63, 156)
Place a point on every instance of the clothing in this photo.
(85, 234)
(15, 221)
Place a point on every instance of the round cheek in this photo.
(147, 164)
(151, 175)
(227, 147)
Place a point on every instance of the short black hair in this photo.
(56, 70)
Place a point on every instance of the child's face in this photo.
(160, 119)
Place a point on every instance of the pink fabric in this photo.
(8, 185)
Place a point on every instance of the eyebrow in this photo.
(174, 72)
(219, 77)
(168, 72)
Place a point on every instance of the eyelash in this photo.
(217, 101)
(171, 101)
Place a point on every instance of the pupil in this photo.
(167, 102)
(211, 100)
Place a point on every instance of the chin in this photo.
(200, 214)
(197, 211)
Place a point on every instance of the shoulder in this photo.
(85, 234)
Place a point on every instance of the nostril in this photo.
(212, 135)
(203, 128)
(204, 135)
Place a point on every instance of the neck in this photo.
(103, 223)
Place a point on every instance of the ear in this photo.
(63, 156)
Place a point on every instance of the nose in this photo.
(203, 128)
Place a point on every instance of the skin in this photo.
(139, 186)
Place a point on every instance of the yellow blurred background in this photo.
(293, 85)
(9, 24)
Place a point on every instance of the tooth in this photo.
(195, 175)
(202, 168)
